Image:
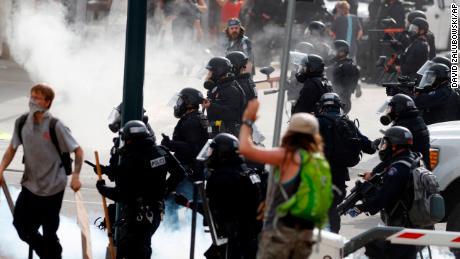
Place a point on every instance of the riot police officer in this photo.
(114, 126)
(434, 96)
(429, 35)
(311, 74)
(234, 196)
(329, 113)
(301, 50)
(345, 74)
(244, 78)
(190, 134)
(316, 34)
(403, 112)
(140, 188)
(394, 194)
(226, 99)
(191, 131)
(417, 53)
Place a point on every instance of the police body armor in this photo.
(227, 106)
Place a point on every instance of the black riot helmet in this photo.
(313, 64)
(342, 46)
(415, 14)
(134, 130)
(330, 100)
(310, 66)
(188, 98)
(418, 24)
(442, 60)
(395, 138)
(435, 75)
(238, 60)
(316, 28)
(305, 47)
(224, 149)
(399, 104)
(219, 66)
(398, 135)
(115, 118)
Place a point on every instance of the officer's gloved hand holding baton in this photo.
(354, 212)
(166, 141)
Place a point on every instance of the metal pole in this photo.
(133, 83)
(282, 84)
(194, 215)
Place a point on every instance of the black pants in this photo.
(334, 217)
(136, 231)
(33, 211)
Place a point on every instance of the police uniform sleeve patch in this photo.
(158, 162)
(392, 171)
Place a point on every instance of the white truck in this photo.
(438, 16)
(444, 157)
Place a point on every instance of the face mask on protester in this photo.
(34, 107)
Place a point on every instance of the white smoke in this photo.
(166, 243)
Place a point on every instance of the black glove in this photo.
(100, 186)
(166, 141)
(104, 169)
(181, 199)
(376, 143)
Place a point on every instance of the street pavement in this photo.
(15, 84)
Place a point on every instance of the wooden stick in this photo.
(106, 210)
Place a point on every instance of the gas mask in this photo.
(179, 108)
(210, 81)
(387, 116)
(413, 30)
(301, 74)
(209, 84)
(385, 152)
(34, 107)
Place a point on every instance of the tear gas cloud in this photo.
(166, 243)
(84, 64)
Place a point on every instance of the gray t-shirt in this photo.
(43, 173)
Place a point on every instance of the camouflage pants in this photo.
(285, 243)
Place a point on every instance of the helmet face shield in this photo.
(427, 80)
(413, 29)
(205, 152)
(425, 67)
(383, 145)
(174, 99)
(296, 57)
(114, 120)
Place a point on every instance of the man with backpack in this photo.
(45, 141)
(343, 145)
(395, 195)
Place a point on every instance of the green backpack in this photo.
(314, 194)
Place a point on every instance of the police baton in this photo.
(106, 210)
